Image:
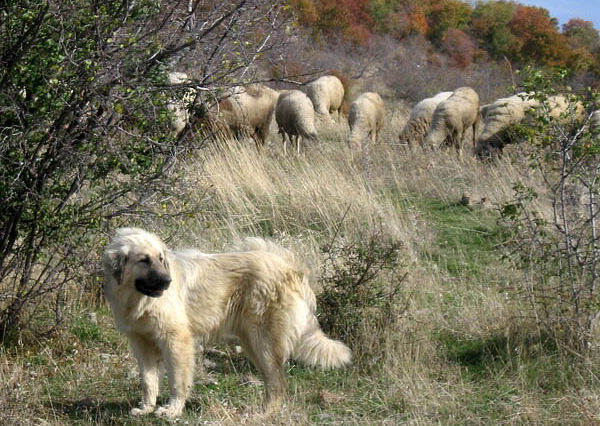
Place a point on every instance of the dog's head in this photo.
(137, 259)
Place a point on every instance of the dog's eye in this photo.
(145, 259)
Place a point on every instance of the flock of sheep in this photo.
(447, 119)
(452, 118)
(250, 110)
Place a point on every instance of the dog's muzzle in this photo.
(153, 284)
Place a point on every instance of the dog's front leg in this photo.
(148, 356)
(179, 359)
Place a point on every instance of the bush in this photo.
(558, 250)
(361, 297)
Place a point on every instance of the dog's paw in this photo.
(168, 411)
(144, 409)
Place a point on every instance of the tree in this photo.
(582, 34)
(445, 14)
(538, 37)
(85, 127)
(399, 18)
(490, 23)
(349, 18)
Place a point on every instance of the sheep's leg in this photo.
(283, 138)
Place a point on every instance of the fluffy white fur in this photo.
(162, 300)
(366, 117)
(420, 118)
(327, 95)
(452, 118)
(295, 118)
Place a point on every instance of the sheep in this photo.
(419, 121)
(295, 116)
(564, 110)
(595, 121)
(498, 118)
(504, 113)
(179, 107)
(249, 111)
(327, 95)
(365, 118)
(453, 117)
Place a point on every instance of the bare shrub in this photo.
(558, 253)
(361, 297)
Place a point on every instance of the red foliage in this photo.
(351, 18)
(459, 46)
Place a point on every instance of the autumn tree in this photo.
(582, 34)
(445, 14)
(490, 23)
(538, 37)
(350, 19)
(399, 18)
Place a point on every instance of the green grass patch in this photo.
(477, 355)
(465, 237)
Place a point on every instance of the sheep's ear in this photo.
(114, 261)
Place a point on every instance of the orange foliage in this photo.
(418, 21)
(351, 18)
(538, 36)
(445, 14)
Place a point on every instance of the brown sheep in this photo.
(295, 118)
(249, 111)
(453, 117)
(327, 96)
(365, 118)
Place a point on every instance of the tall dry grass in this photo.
(305, 202)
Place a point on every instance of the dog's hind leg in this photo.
(268, 358)
(148, 356)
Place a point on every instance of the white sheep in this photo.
(420, 118)
(327, 96)
(453, 117)
(563, 109)
(503, 114)
(499, 117)
(295, 116)
(249, 111)
(365, 118)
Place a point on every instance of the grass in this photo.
(461, 352)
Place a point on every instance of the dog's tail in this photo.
(315, 348)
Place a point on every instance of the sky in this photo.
(563, 10)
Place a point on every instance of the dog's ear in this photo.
(114, 261)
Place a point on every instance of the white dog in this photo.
(163, 299)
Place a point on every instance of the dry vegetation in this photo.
(459, 347)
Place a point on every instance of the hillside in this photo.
(458, 346)
(465, 288)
